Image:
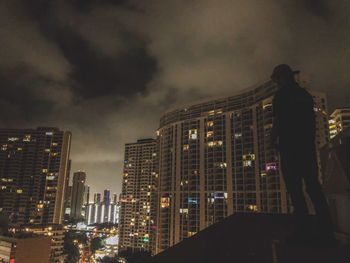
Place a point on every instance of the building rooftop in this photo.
(248, 237)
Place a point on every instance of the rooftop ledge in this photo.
(249, 237)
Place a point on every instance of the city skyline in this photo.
(73, 65)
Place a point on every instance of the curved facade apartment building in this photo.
(215, 159)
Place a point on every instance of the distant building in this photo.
(34, 168)
(68, 192)
(335, 159)
(138, 199)
(54, 232)
(106, 197)
(68, 200)
(86, 200)
(78, 190)
(339, 120)
(25, 249)
(97, 198)
(99, 212)
(87, 195)
(216, 159)
(115, 198)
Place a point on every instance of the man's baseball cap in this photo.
(283, 70)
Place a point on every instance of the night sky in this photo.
(106, 70)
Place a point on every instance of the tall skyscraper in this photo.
(34, 167)
(339, 120)
(87, 194)
(68, 192)
(138, 198)
(68, 199)
(106, 197)
(97, 198)
(78, 189)
(101, 212)
(115, 198)
(215, 159)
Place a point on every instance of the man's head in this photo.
(283, 75)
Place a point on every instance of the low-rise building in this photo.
(55, 234)
(25, 249)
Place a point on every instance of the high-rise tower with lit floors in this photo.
(33, 172)
(339, 120)
(78, 190)
(138, 199)
(215, 159)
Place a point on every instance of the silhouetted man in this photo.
(293, 134)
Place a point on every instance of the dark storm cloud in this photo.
(106, 70)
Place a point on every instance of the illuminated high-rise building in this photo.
(34, 167)
(86, 194)
(138, 199)
(97, 198)
(215, 159)
(106, 197)
(339, 120)
(78, 190)
(115, 198)
(101, 212)
(68, 191)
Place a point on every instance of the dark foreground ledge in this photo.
(247, 237)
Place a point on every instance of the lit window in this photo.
(192, 134)
(267, 103)
(49, 133)
(192, 200)
(210, 123)
(186, 147)
(210, 134)
(191, 233)
(238, 135)
(250, 156)
(27, 138)
(45, 170)
(221, 165)
(253, 208)
(219, 195)
(271, 167)
(247, 163)
(215, 143)
(19, 191)
(164, 202)
(183, 210)
(13, 139)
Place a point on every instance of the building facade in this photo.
(138, 198)
(97, 213)
(34, 168)
(55, 233)
(339, 120)
(29, 249)
(78, 190)
(215, 159)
